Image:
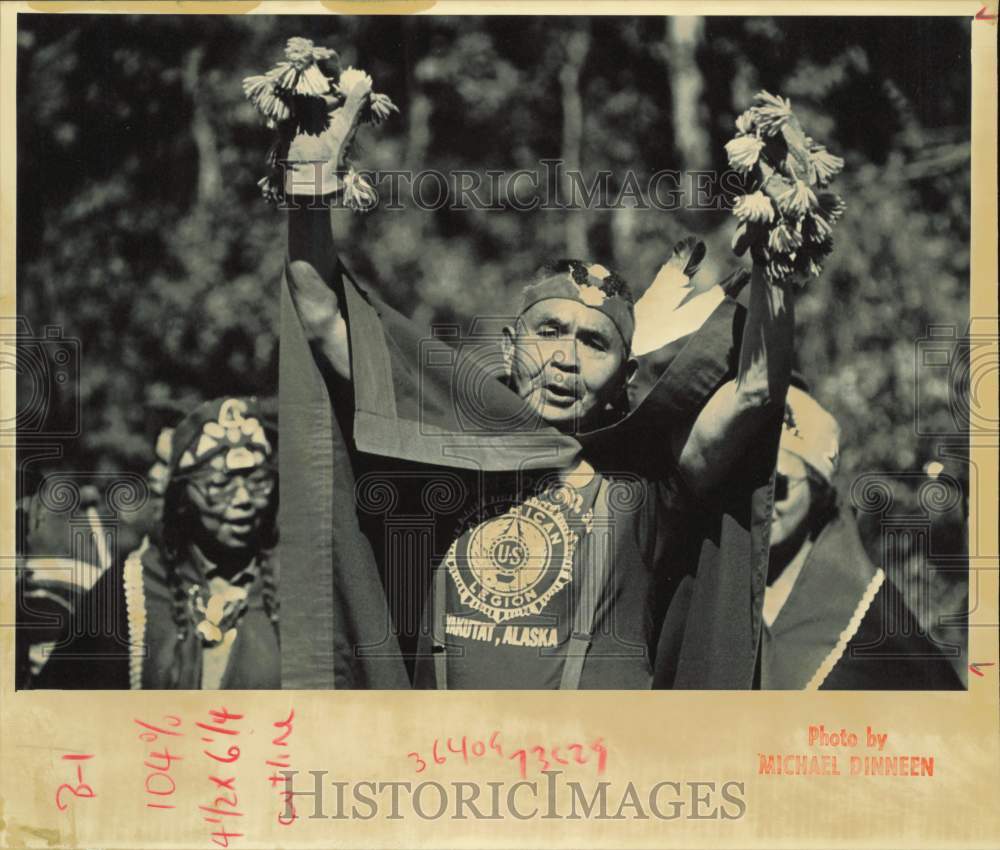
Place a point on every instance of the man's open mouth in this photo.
(559, 394)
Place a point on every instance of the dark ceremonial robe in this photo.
(133, 639)
(845, 626)
(385, 468)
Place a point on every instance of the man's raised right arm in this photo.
(318, 188)
(314, 280)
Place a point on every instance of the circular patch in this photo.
(514, 560)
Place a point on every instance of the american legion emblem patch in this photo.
(515, 557)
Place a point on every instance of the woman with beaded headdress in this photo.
(195, 607)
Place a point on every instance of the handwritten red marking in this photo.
(540, 752)
(981, 17)
(285, 724)
(159, 782)
(225, 836)
(463, 750)
(975, 667)
(287, 815)
(223, 715)
(155, 731)
(215, 810)
(233, 752)
(533, 757)
(225, 801)
(224, 783)
(602, 755)
(218, 729)
(522, 755)
(291, 817)
(160, 793)
(222, 805)
(81, 789)
(168, 758)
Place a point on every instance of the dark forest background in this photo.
(141, 232)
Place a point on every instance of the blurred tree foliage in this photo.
(141, 232)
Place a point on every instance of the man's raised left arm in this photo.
(724, 430)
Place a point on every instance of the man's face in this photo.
(792, 499)
(231, 505)
(568, 362)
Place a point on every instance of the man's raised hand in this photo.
(316, 109)
(319, 312)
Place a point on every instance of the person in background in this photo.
(144, 521)
(52, 578)
(831, 620)
(62, 550)
(195, 606)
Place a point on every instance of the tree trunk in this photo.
(577, 47)
(202, 131)
(691, 138)
(623, 244)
